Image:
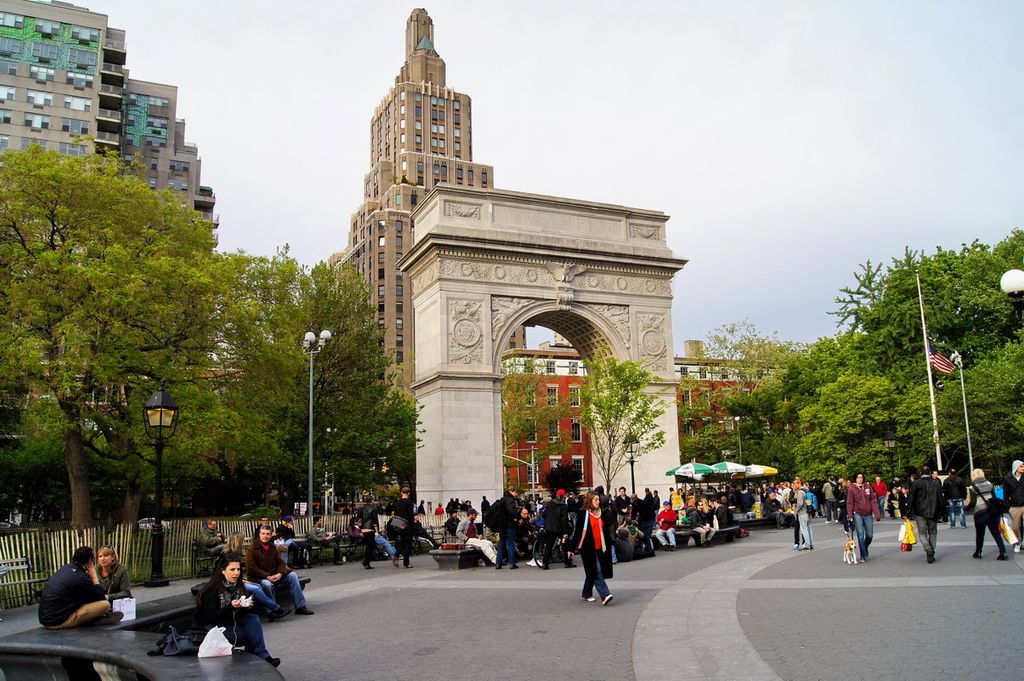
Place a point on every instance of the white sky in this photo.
(788, 141)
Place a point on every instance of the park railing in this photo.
(50, 547)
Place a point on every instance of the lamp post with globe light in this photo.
(1012, 284)
(312, 345)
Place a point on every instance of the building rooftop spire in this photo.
(418, 29)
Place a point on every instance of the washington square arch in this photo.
(486, 262)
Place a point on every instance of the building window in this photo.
(78, 79)
(180, 166)
(399, 357)
(690, 430)
(576, 431)
(85, 35)
(399, 340)
(6, 93)
(553, 431)
(398, 241)
(5, 142)
(531, 434)
(552, 395)
(27, 142)
(703, 372)
(12, 20)
(380, 323)
(380, 306)
(37, 121)
(577, 465)
(483, 177)
(686, 397)
(73, 149)
(574, 368)
(81, 57)
(574, 396)
(381, 240)
(39, 97)
(380, 258)
(398, 225)
(78, 103)
(40, 72)
(45, 52)
(5, 115)
(10, 46)
(75, 126)
(457, 104)
(412, 200)
(154, 141)
(398, 199)
(380, 290)
(380, 273)
(549, 366)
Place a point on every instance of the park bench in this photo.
(103, 652)
(202, 561)
(456, 556)
(727, 534)
(18, 580)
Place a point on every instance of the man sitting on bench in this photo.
(466, 533)
(210, 539)
(73, 596)
(263, 564)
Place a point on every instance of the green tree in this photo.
(618, 407)
(108, 287)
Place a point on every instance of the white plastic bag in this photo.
(215, 644)
(124, 605)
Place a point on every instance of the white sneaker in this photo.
(1016, 548)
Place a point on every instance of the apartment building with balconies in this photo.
(65, 85)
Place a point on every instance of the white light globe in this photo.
(1012, 283)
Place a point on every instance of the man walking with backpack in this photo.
(925, 502)
(502, 520)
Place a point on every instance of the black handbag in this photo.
(174, 643)
(398, 523)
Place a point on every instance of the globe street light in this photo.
(311, 345)
(1012, 283)
(631, 448)
(160, 418)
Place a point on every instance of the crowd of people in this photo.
(600, 529)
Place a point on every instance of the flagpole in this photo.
(958, 360)
(931, 385)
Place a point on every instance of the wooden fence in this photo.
(49, 549)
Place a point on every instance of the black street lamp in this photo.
(160, 417)
(631, 448)
(775, 462)
(889, 439)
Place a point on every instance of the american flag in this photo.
(939, 361)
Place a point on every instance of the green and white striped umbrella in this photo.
(728, 468)
(690, 470)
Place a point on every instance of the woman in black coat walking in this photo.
(592, 539)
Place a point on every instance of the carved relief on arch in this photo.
(502, 309)
(465, 336)
(652, 341)
(618, 316)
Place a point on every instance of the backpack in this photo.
(494, 519)
(994, 504)
(812, 500)
(451, 525)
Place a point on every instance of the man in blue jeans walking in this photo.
(507, 541)
(955, 491)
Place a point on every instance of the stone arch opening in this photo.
(585, 329)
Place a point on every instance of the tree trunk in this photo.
(129, 512)
(77, 464)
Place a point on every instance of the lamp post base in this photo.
(157, 582)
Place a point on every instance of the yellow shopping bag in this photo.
(908, 532)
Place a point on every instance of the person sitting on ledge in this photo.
(466, 533)
(113, 576)
(73, 596)
(264, 564)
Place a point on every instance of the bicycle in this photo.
(557, 551)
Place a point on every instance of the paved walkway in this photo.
(751, 610)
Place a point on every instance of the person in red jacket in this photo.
(881, 493)
(666, 533)
(862, 510)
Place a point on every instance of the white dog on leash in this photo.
(849, 551)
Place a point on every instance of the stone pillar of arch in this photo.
(487, 261)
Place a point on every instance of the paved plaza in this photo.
(754, 610)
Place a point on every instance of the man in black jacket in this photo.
(406, 510)
(622, 506)
(955, 491)
(1013, 487)
(73, 596)
(925, 503)
(507, 532)
(556, 527)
